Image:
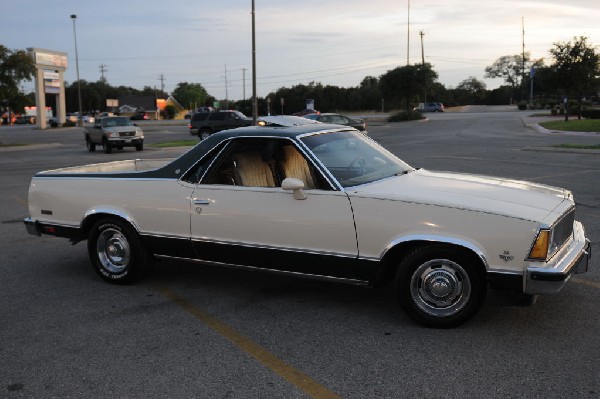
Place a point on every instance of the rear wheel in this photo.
(203, 134)
(116, 252)
(440, 286)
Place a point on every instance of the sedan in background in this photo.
(337, 119)
(305, 112)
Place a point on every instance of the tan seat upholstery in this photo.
(252, 170)
(294, 165)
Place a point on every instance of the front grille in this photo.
(562, 231)
(126, 134)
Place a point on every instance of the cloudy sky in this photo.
(336, 42)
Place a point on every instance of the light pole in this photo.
(80, 115)
(254, 103)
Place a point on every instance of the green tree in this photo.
(577, 66)
(15, 67)
(510, 68)
(407, 84)
(190, 94)
(470, 91)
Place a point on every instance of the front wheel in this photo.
(139, 147)
(90, 146)
(116, 252)
(107, 147)
(439, 286)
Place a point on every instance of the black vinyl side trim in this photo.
(277, 259)
(170, 246)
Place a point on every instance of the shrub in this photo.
(522, 105)
(401, 116)
(591, 113)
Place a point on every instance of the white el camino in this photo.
(320, 201)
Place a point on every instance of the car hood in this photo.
(513, 198)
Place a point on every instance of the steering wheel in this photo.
(358, 163)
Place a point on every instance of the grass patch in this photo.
(574, 125)
(579, 146)
(180, 143)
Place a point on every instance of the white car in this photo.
(320, 201)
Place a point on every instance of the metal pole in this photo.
(408, 36)
(254, 102)
(80, 116)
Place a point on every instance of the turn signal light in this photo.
(539, 251)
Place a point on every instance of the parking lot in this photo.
(202, 331)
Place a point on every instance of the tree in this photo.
(577, 66)
(15, 67)
(407, 84)
(191, 94)
(510, 68)
(470, 91)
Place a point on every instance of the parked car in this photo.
(25, 119)
(305, 112)
(337, 119)
(139, 116)
(430, 107)
(283, 120)
(324, 202)
(203, 124)
(114, 132)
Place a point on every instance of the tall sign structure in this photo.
(49, 79)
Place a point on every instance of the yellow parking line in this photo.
(585, 282)
(292, 375)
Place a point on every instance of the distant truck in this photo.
(203, 124)
(114, 132)
(430, 107)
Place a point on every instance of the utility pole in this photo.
(408, 36)
(162, 82)
(226, 93)
(244, 87)
(102, 70)
(254, 102)
(421, 33)
(523, 59)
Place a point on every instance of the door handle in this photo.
(198, 201)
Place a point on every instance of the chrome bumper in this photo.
(552, 277)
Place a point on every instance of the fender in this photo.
(433, 238)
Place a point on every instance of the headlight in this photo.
(114, 134)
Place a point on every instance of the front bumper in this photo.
(552, 277)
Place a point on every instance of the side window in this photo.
(262, 162)
(217, 116)
(195, 173)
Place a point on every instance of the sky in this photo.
(333, 42)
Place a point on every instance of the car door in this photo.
(242, 216)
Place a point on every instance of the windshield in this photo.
(354, 159)
(117, 121)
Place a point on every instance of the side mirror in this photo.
(295, 185)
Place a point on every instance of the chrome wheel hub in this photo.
(440, 287)
(113, 250)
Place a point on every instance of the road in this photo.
(195, 331)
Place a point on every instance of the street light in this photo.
(80, 115)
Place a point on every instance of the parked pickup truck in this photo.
(114, 132)
(320, 201)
